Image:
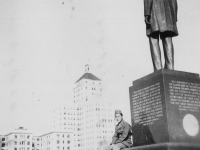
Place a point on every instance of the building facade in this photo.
(36, 143)
(90, 118)
(21, 139)
(2, 142)
(57, 141)
(65, 117)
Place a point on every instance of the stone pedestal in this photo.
(165, 111)
(167, 146)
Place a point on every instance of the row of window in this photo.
(22, 143)
(59, 142)
(68, 113)
(59, 135)
(22, 148)
(58, 148)
(21, 136)
(82, 82)
(48, 136)
(93, 88)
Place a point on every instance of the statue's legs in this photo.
(168, 52)
(155, 51)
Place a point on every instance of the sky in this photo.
(45, 45)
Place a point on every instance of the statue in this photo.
(160, 19)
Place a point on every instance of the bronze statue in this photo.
(160, 19)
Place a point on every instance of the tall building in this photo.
(90, 117)
(65, 117)
(87, 88)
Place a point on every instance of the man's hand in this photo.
(112, 146)
(147, 20)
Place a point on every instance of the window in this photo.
(15, 142)
(16, 136)
(58, 141)
(15, 148)
(68, 142)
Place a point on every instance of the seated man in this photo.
(122, 137)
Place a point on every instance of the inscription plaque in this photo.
(147, 105)
(185, 94)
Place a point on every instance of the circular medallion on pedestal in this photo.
(191, 125)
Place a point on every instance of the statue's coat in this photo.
(163, 16)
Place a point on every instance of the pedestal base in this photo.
(165, 108)
(167, 146)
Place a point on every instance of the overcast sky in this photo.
(45, 44)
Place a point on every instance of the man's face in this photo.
(118, 117)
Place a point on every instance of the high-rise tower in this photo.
(91, 116)
(87, 87)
